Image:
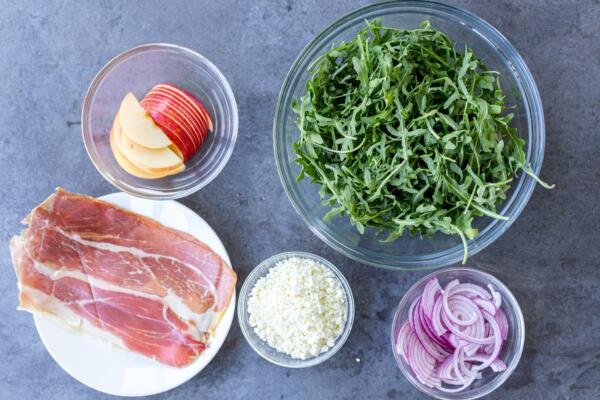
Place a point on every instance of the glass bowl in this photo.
(511, 350)
(259, 345)
(522, 96)
(137, 70)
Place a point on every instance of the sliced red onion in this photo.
(411, 313)
(428, 328)
(446, 339)
(435, 350)
(422, 364)
(470, 290)
(445, 369)
(495, 296)
(503, 325)
(502, 321)
(449, 312)
(456, 375)
(470, 348)
(454, 340)
(472, 333)
(465, 385)
(465, 367)
(447, 374)
(488, 349)
(487, 305)
(431, 290)
(401, 339)
(497, 365)
(459, 372)
(465, 309)
(497, 341)
(452, 334)
(436, 321)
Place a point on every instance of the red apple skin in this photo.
(183, 105)
(201, 107)
(174, 133)
(176, 126)
(190, 97)
(170, 109)
(182, 109)
(176, 94)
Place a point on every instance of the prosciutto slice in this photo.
(151, 289)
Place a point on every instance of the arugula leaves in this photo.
(404, 133)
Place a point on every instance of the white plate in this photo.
(112, 370)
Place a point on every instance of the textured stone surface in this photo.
(49, 52)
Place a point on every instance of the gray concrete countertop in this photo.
(50, 51)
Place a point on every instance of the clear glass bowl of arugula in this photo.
(439, 236)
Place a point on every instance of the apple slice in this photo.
(189, 97)
(184, 105)
(125, 163)
(139, 126)
(158, 161)
(177, 151)
(181, 139)
(167, 108)
(184, 109)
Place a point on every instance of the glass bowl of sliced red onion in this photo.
(458, 333)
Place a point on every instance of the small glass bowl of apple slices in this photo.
(159, 121)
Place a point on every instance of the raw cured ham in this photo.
(122, 276)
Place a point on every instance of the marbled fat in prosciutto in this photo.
(148, 288)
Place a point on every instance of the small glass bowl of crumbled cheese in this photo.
(296, 309)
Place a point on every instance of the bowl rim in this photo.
(105, 71)
(262, 268)
(523, 188)
(514, 306)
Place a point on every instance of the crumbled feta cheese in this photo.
(298, 308)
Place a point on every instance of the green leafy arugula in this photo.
(404, 133)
